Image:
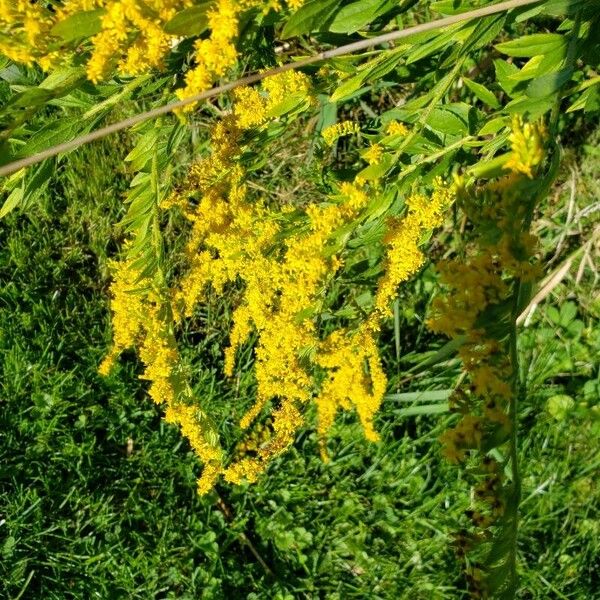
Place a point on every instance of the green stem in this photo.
(157, 241)
(514, 439)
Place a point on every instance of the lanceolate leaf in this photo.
(425, 396)
(549, 84)
(448, 350)
(485, 31)
(353, 17)
(189, 22)
(482, 93)
(309, 17)
(14, 199)
(587, 101)
(427, 409)
(504, 70)
(532, 45)
(55, 132)
(441, 40)
(30, 186)
(79, 25)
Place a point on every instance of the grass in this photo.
(97, 493)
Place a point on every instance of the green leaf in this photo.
(528, 71)
(30, 98)
(425, 396)
(504, 71)
(501, 546)
(427, 409)
(489, 168)
(532, 45)
(292, 103)
(534, 107)
(55, 132)
(559, 8)
(568, 312)
(63, 78)
(372, 70)
(450, 119)
(31, 185)
(442, 355)
(485, 31)
(437, 42)
(592, 102)
(582, 102)
(482, 93)
(549, 84)
(449, 7)
(353, 17)
(79, 25)
(327, 114)
(348, 87)
(310, 17)
(14, 199)
(190, 21)
(143, 150)
(493, 126)
(376, 171)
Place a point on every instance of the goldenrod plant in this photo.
(466, 140)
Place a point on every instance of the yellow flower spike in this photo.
(138, 322)
(249, 108)
(128, 309)
(396, 128)
(354, 378)
(283, 85)
(528, 146)
(373, 154)
(403, 256)
(332, 133)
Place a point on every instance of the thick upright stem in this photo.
(514, 406)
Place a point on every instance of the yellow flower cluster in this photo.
(284, 260)
(475, 283)
(141, 320)
(216, 54)
(396, 128)
(355, 378)
(373, 154)
(127, 311)
(527, 143)
(467, 434)
(334, 132)
(252, 108)
(132, 34)
(24, 31)
(478, 287)
(232, 240)
(403, 256)
(132, 38)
